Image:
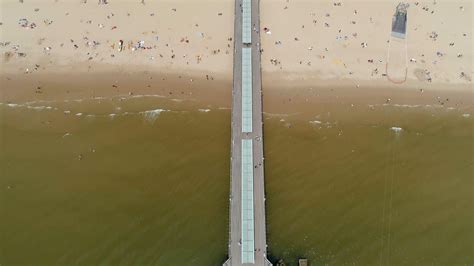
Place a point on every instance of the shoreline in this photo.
(284, 97)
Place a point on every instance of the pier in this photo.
(247, 236)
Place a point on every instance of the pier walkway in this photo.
(247, 237)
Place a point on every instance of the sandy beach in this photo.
(72, 49)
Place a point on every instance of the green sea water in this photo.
(145, 181)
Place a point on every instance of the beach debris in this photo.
(47, 22)
(199, 34)
(433, 35)
(23, 22)
(375, 71)
(363, 44)
(139, 45)
(47, 50)
(93, 44)
(274, 61)
(465, 76)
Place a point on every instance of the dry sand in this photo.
(73, 51)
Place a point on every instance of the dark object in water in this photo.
(399, 21)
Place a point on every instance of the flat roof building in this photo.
(399, 21)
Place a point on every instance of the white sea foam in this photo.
(204, 110)
(396, 129)
(406, 105)
(316, 122)
(78, 114)
(36, 107)
(152, 115)
(67, 112)
(147, 95)
(466, 115)
(39, 108)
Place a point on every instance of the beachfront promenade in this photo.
(247, 237)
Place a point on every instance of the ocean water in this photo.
(141, 187)
(145, 181)
(386, 185)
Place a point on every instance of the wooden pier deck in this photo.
(247, 238)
